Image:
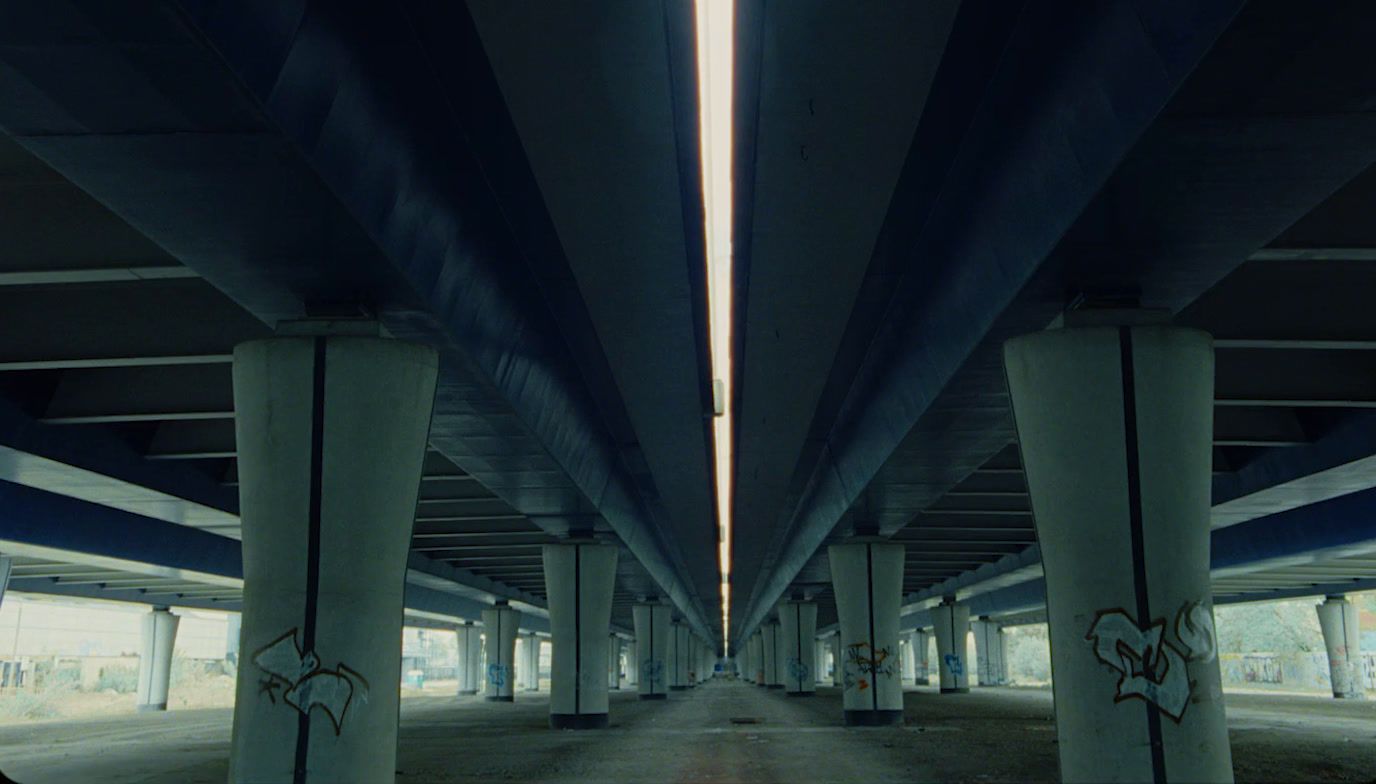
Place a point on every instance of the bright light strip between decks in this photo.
(715, 20)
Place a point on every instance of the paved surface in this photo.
(988, 735)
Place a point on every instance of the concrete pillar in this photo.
(797, 629)
(155, 658)
(614, 662)
(838, 668)
(233, 628)
(952, 624)
(678, 669)
(988, 652)
(470, 658)
(330, 432)
(769, 632)
(1003, 675)
(579, 579)
(909, 664)
(917, 643)
(757, 666)
(819, 656)
(1115, 425)
(6, 563)
(499, 644)
(528, 663)
(653, 632)
(1342, 637)
(628, 649)
(867, 578)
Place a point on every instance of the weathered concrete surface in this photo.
(995, 734)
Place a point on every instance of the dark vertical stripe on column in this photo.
(1139, 563)
(577, 628)
(303, 721)
(874, 652)
(957, 648)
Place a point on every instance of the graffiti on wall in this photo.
(862, 666)
(652, 673)
(1151, 667)
(297, 678)
(1262, 669)
(955, 664)
(798, 670)
(499, 675)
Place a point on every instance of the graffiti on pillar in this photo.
(1151, 667)
(299, 680)
(862, 663)
(797, 670)
(499, 675)
(652, 672)
(1194, 627)
(955, 664)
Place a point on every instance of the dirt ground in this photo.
(990, 735)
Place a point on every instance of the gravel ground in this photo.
(990, 735)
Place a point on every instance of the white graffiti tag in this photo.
(1151, 667)
(1194, 627)
(304, 684)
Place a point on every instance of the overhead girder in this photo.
(309, 156)
(1191, 181)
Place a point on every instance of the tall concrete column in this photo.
(867, 578)
(917, 642)
(819, 656)
(683, 656)
(769, 632)
(159, 634)
(499, 643)
(797, 628)
(909, 664)
(1342, 637)
(757, 665)
(470, 658)
(330, 432)
(1003, 675)
(1115, 425)
(579, 579)
(614, 662)
(988, 652)
(652, 640)
(529, 667)
(838, 669)
(233, 628)
(632, 666)
(952, 623)
(6, 563)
